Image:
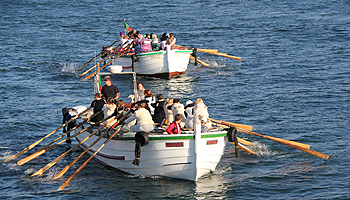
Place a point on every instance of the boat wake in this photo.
(69, 67)
(262, 149)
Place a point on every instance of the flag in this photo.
(127, 27)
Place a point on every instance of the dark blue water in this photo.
(293, 82)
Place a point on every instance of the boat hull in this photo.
(161, 64)
(172, 156)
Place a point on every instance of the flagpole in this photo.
(124, 27)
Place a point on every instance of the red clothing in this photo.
(174, 128)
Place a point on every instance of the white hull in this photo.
(162, 64)
(172, 156)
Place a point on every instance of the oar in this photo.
(312, 152)
(244, 147)
(63, 171)
(201, 62)
(42, 170)
(48, 147)
(96, 57)
(101, 61)
(283, 141)
(85, 163)
(92, 74)
(48, 135)
(247, 127)
(215, 52)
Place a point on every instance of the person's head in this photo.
(98, 96)
(121, 34)
(171, 35)
(134, 106)
(110, 100)
(154, 36)
(178, 118)
(164, 36)
(147, 36)
(159, 97)
(203, 119)
(148, 93)
(134, 31)
(120, 103)
(176, 101)
(108, 80)
(199, 100)
(142, 104)
(168, 101)
(188, 102)
(140, 86)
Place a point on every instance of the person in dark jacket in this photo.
(97, 104)
(159, 113)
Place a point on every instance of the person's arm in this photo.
(130, 119)
(170, 129)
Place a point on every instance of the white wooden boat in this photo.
(182, 156)
(161, 64)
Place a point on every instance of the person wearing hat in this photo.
(189, 114)
(109, 90)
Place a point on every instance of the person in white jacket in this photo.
(201, 110)
(143, 118)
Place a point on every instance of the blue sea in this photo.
(293, 82)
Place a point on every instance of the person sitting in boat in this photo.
(110, 90)
(189, 114)
(155, 43)
(143, 118)
(126, 126)
(163, 40)
(120, 109)
(149, 97)
(204, 128)
(171, 41)
(97, 104)
(146, 45)
(133, 34)
(175, 127)
(178, 108)
(159, 113)
(168, 112)
(108, 109)
(201, 110)
(123, 41)
(140, 92)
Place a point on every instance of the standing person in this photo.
(168, 112)
(189, 114)
(110, 90)
(178, 108)
(174, 127)
(97, 104)
(201, 110)
(159, 113)
(143, 118)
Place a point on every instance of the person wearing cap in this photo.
(143, 118)
(97, 104)
(189, 114)
(110, 90)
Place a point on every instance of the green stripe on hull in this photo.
(177, 137)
